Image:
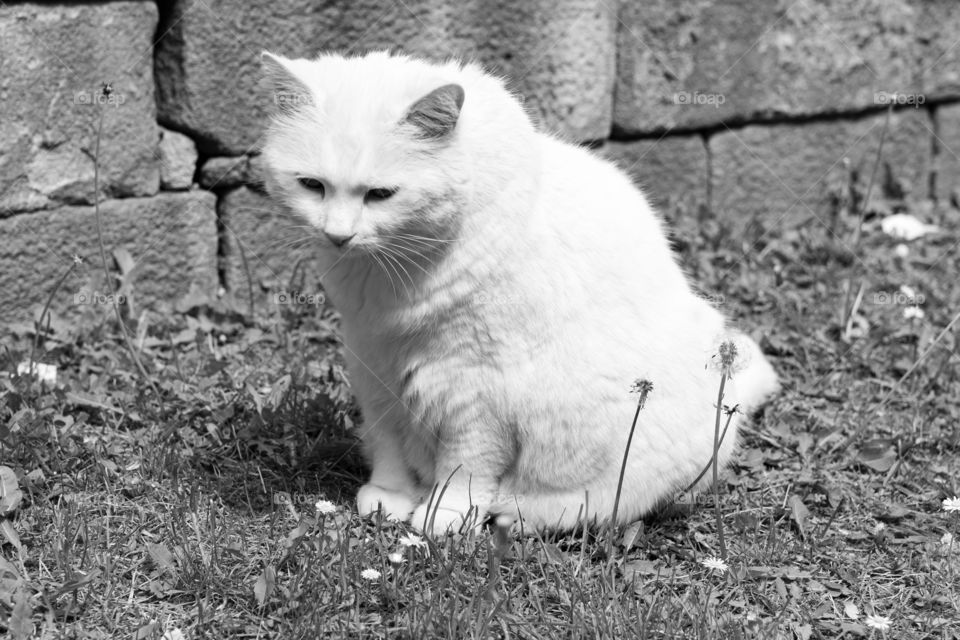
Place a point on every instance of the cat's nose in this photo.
(339, 239)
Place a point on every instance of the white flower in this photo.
(411, 540)
(44, 372)
(396, 558)
(715, 564)
(325, 507)
(947, 539)
(370, 574)
(951, 504)
(913, 313)
(878, 528)
(881, 623)
(902, 250)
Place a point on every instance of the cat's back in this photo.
(596, 225)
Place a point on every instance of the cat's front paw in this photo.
(395, 505)
(434, 520)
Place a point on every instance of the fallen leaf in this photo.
(637, 568)
(798, 512)
(880, 454)
(851, 610)
(146, 631)
(893, 513)
(19, 624)
(265, 584)
(77, 581)
(553, 553)
(10, 494)
(162, 557)
(10, 534)
(630, 534)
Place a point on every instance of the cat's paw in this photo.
(443, 520)
(395, 505)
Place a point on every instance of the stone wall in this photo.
(749, 108)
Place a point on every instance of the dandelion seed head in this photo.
(731, 354)
(641, 385)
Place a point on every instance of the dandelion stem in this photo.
(716, 459)
(713, 457)
(643, 387)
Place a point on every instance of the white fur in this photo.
(496, 357)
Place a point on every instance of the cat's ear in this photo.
(435, 115)
(288, 93)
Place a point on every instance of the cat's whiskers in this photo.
(295, 244)
(391, 261)
(429, 239)
(410, 253)
(394, 256)
(379, 261)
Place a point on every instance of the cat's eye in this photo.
(378, 195)
(313, 185)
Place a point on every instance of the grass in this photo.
(182, 501)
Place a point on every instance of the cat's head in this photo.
(365, 149)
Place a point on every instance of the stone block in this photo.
(228, 172)
(780, 173)
(264, 249)
(56, 58)
(939, 55)
(947, 145)
(559, 55)
(172, 238)
(691, 64)
(672, 170)
(178, 160)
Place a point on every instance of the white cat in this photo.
(500, 291)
